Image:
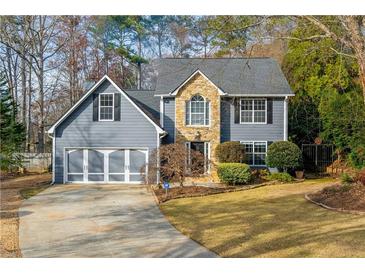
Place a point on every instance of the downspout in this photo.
(53, 157)
(286, 118)
(159, 137)
(162, 111)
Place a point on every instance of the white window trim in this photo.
(99, 106)
(253, 150)
(209, 118)
(253, 111)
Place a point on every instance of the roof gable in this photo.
(89, 92)
(174, 92)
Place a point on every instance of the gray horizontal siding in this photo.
(169, 120)
(78, 130)
(262, 132)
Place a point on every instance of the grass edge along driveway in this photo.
(271, 221)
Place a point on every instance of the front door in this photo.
(105, 165)
(195, 161)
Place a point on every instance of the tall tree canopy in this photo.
(328, 101)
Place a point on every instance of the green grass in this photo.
(271, 221)
(32, 191)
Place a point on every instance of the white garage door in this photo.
(105, 165)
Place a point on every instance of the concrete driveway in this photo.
(100, 221)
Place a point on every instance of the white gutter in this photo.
(286, 118)
(237, 95)
(53, 157)
(162, 111)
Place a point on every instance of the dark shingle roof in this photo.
(146, 100)
(231, 75)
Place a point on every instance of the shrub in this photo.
(234, 173)
(346, 178)
(284, 155)
(281, 177)
(357, 157)
(264, 173)
(172, 164)
(230, 152)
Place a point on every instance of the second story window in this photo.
(253, 111)
(197, 111)
(106, 107)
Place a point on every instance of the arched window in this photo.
(197, 111)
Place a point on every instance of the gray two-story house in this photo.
(109, 134)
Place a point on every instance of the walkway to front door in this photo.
(100, 221)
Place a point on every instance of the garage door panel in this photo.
(135, 177)
(116, 177)
(117, 161)
(95, 161)
(96, 177)
(75, 177)
(75, 163)
(137, 160)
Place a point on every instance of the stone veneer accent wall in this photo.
(199, 85)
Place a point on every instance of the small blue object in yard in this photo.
(166, 185)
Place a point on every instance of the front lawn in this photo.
(271, 221)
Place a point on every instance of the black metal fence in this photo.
(317, 158)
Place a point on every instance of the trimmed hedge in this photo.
(284, 155)
(230, 152)
(234, 173)
(281, 177)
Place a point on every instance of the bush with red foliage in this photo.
(171, 162)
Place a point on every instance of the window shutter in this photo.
(187, 113)
(269, 110)
(237, 110)
(95, 107)
(269, 143)
(117, 107)
(207, 107)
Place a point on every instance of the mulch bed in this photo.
(344, 197)
(196, 191)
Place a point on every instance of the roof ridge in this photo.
(217, 58)
(142, 90)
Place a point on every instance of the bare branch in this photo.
(342, 53)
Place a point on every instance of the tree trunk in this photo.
(356, 39)
(29, 109)
(9, 73)
(15, 73)
(24, 93)
(361, 63)
(41, 132)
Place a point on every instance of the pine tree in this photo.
(12, 133)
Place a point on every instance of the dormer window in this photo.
(106, 107)
(197, 111)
